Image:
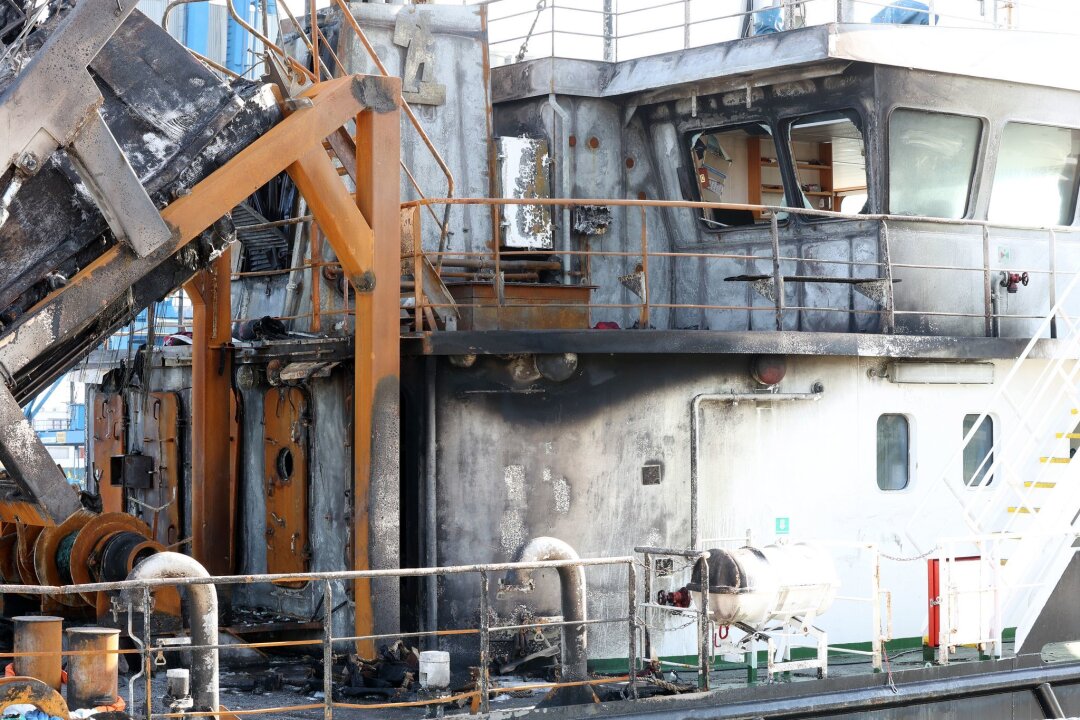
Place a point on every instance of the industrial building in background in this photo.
(555, 359)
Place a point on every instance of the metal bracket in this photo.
(54, 104)
(876, 290)
(766, 288)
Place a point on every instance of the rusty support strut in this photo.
(366, 238)
(213, 424)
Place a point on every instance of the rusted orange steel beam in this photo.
(377, 367)
(213, 425)
(365, 237)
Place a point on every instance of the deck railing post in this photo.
(631, 580)
(1052, 285)
(644, 318)
(704, 636)
(686, 24)
(890, 299)
(328, 650)
(647, 558)
(778, 277)
(875, 597)
(147, 659)
(610, 52)
(485, 641)
(988, 289)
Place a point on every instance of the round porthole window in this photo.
(284, 463)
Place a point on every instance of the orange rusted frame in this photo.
(366, 238)
(214, 490)
(213, 426)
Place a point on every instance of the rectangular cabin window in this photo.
(830, 162)
(1035, 179)
(979, 452)
(737, 165)
(893, 456)
(931, 163)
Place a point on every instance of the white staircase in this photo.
(1023, 521)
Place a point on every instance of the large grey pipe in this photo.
(572, 586)
(202, 617)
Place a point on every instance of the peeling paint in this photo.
(512, 535)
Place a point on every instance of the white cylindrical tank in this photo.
(434, 670)
(773, 584)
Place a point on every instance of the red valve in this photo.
(679, 598)
(1011, 281)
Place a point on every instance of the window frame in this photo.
(1074, 217)
(993, 452)
(910, 422)
(977, 169)
(782, 164)
(859, 120)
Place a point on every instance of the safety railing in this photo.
(502, 267)
(130, 596)
(971, 606)
(615, 30)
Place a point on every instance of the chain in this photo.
(888, 668)
(897, 558)
(540, 7)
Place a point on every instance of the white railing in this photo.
(614, 30)
(1023, 510)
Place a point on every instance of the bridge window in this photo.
(979, 452)
(931, 163)
(893, 452)
(830, 162)
(737, 165)
(1035, 179)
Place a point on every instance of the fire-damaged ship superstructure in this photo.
(741, 374)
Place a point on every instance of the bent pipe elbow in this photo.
(202, 616)
(572, 591)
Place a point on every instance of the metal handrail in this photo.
(834, 8)
(492, 263)
(138, 591)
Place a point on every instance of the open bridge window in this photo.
(737, 165)
(830, 162)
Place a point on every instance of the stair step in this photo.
(1055, 460)
(1023, 510)
(1040, 485)
(1067, 436)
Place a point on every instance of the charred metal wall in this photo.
(441, 54)
(327, 488)
(154, 395)
(566, 459)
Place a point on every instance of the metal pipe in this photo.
(202, 616)
(92, 677)
(191, 581)
(505, 265)
(695, 441)
(572, 590)
(1048, 701)
(431, 517)
(42, 637)
(701, 205)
